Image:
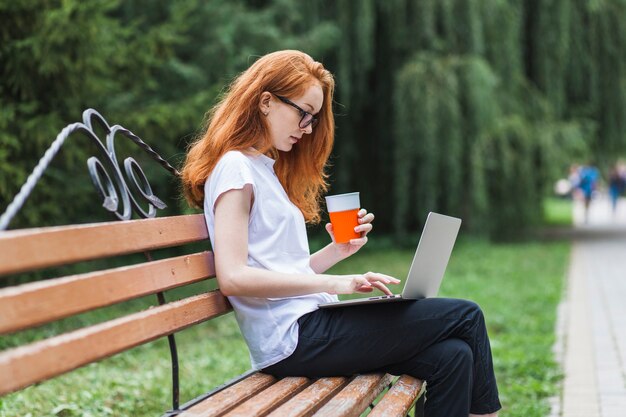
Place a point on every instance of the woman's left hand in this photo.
(365, 226)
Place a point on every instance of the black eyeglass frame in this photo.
(303, 113)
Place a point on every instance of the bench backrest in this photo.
(48, 300)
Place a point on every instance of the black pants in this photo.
(443, 341)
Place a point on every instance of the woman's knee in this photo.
(472, 310)
(473, 306)
(455, 353)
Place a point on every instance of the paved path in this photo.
(593, 316)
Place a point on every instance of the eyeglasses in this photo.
(307, 118)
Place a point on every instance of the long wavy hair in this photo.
(236, 123)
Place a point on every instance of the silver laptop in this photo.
(429, 263)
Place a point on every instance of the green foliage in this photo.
(610, 44)
(420, 87)
(560, 143)
(511, 177)
(494, 110)
(45, 52)
(480, 111)
(436, 137)
(548, 50)
(502, 26)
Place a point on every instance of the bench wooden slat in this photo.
(356, 396)
(45, 301)
(270, 398)
(400, 398)
(42, 360)
(311, 399)
(25, 250)
(229, 398)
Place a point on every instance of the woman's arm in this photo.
(325, 258)
(235, 277)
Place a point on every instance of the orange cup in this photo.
(343, 209)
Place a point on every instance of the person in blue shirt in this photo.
(588, 179)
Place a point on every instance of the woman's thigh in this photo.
(357, 339)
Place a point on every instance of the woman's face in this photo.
(284, 119)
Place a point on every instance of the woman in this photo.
(258, 172)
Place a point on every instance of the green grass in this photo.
(557, 212)
(518, 287)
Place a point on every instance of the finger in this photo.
(362, 213)
(358, 242)
(330, 231)
(382, 287)
(364, 228)
(377, 276)
(367, 218)
(373, 277)
(391, 279)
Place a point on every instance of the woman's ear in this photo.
(264, 103)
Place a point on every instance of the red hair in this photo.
(235, 123)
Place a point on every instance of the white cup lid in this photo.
(343, 202)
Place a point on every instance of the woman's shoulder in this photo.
(231, 167)
(233, 159)
(235, 156)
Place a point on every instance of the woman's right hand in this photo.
(349, 284)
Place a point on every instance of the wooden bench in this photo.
(44, 301)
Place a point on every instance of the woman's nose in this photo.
(307, 130)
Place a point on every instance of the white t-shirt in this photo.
(277, 241)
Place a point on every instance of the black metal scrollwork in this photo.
(132, 183)
(110, 181)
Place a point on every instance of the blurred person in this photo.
(258, 170)
(588, 178)
(617, 183)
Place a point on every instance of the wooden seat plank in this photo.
(311, 399)
(25, 250)
(400, 398)
(45, 301)
(356, 396)
(229, 398)
(42, 360)
(270, 398)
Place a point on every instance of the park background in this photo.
(467, 107)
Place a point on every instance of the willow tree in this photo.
(610, 45)
(480, 109)
(355, 59)
(502, 27)
(463, 28)
(547, 43)
(581, 74)
(445, 106)
(511, 178)
(414, 138)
